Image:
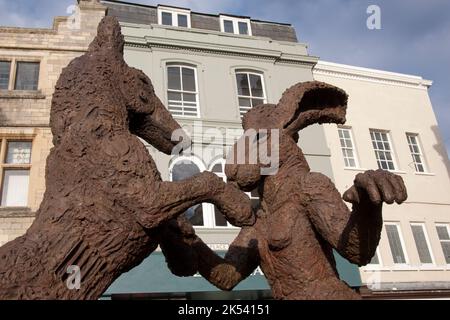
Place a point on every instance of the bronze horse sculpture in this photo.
(302, 215)
(105, 202)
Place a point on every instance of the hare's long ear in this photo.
(311, 102)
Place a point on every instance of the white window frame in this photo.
(355, 153)
(420, 153)
(263, 83)
(207, 223)
(197, 96)
(235, 21)
(11, 166)
(402, 243)
(446, 225)
(427, 240)
(211, 206)
(174, 12)
(391, 146)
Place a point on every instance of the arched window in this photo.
(250, 88)
(182, 90)
(206, 214)
(183, 168)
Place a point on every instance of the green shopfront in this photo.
(153, 280)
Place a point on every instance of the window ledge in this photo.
(397, 171)
(16, 212)
(22, 94)
(355, 169)
(424, 174)
(405, 268)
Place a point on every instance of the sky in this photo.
(414, 37)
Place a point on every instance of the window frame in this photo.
(174, 12)
(391, 151)
(249, 72)
(420, 154)
(211, 206)
(11, 66)
(355, 152)
(447, 226)
(13, 72)
(201, 167)
(380, 261)
(427, 241)
(4, 141)
(402, 243)
(235, 21)
(181, 91)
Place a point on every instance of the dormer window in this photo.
(177, 17)
(235, 25)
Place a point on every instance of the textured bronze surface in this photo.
(302, 215)
(104, 202)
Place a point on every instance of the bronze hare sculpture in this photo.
(104, 201)
(302, 215)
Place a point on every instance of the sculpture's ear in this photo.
(109, 36)
(311, 102)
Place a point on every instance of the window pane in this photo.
(442, 233)
(446, 250)
(166, 18)
(217, 168)
(257, 102)
(175, 96)
(189, 97)
(5, 68)
(256, 84)
(421, 244)
(219, 217)
(27, 76)
(19, 152)
(375, 259)
(395, 244)
(351, 163)
(182, 170)
(182, 20)
(15, 188)
(242, 83)
(188, 79)
(173, 75)
(228, 26)
(243, 27)
(244, 102)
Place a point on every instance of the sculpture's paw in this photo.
(380, 186)
(177, 240)
(235, 206)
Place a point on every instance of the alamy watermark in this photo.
(73, 281)
(374, 20)
(255, 147)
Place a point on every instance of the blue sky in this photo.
(414, 39)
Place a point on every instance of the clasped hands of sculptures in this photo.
(106, 208)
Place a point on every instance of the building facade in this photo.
(391, 125)
(209, 70)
